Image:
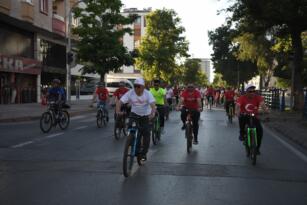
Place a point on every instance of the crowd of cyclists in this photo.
(147, 99)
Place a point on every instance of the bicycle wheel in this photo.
(230, 114)
(64, 119)
(188, 135)
(253, 149)
(125, 126)
(46, 122)
(128, 157)
(99, 119)
(154, 133)
(104, 117)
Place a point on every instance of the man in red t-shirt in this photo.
(210, 93)
(103, 96)
(190, 99)
(249, 103)
(119, 92)
(229, 99)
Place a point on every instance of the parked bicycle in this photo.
(133, 146)
(53, 116)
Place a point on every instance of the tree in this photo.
(287, 16)
(218, 81)
(101, 28)
(162, 45)
(224, 58)
(193, 74)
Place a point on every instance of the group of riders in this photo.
(144, 101)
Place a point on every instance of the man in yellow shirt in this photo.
(159, 94)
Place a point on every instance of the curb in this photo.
(33, 118)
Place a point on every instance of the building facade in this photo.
(32, 47)
(139, 29)
(205, 67)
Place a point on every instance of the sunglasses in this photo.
(251, 91)
(137, 86)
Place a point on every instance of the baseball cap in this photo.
(139, 81)
(249, 86)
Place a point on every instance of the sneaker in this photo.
(183, 127)
(144, 157)
(195, 142)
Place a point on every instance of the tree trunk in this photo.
(298, 67)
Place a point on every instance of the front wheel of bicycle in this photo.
(99, 120)
(128, 157)
(188, 135)
(46, 122)
(64, 120)
(253, 149)
(117, 129)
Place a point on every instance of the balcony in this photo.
(5, 6)
(58, 25)
(27, 11)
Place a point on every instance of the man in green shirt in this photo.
(159, 94)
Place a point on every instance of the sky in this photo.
(197, 17)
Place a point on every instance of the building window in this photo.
(43, 6)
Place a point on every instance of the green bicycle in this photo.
(251, 139)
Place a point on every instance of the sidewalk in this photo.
(33, 111)
(289, 124)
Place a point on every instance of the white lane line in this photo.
(78, 117)
(298, 153)
(53, 135)
(22, 144)
(80, 128)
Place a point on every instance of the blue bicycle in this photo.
(133, 146)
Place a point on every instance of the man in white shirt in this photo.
(142, 106)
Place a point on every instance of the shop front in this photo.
(19, 78)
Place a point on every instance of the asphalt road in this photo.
(82, 165)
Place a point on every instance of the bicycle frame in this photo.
(135, 131)
(251, 129)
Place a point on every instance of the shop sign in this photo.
(19, 65)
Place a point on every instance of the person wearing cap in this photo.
(56, 93)
(249, 103)
(102, 94)
(191, 100)
(119, 92)
(142, 107)
(159, 94)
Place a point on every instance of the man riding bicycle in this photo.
(210, 94)
(119, 92)
(159, 94)
(56, 94)
(190, 100)
(229, 99)
(142, 106)
(249, 103)
(103, 97)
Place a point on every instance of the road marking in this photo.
(80, 128)
(298, 153)
(53, 135)
(22, 144)
(78, 117)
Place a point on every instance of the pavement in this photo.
(33, 111)
(289, 124)
(83, 165)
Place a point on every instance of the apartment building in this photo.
(32, 47)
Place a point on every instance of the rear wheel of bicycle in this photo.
(154, 135)
(188, 135)
(64, 119)
(128, 157)
(46, 122)
(253, 149)
(117, 129)
(99, 119)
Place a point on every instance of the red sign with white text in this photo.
(20, 65)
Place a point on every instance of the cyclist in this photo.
(119, 92)
(249, 103)
(229, 99)
(159, 94)
(103, 97)
(202, 94)
(190, 99)
(210, 95)
(142, 106)
(56, 93)
(176, 92)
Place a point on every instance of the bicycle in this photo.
(251, 139)
(156, 129)
(53, 116)
(133, 146)
(102, 115)
(189, 130)
(120, 125)
(230, 113)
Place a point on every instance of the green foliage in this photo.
(101, 28)
(218, 81)
(283, 83)
(162, 45)
(193, 74)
